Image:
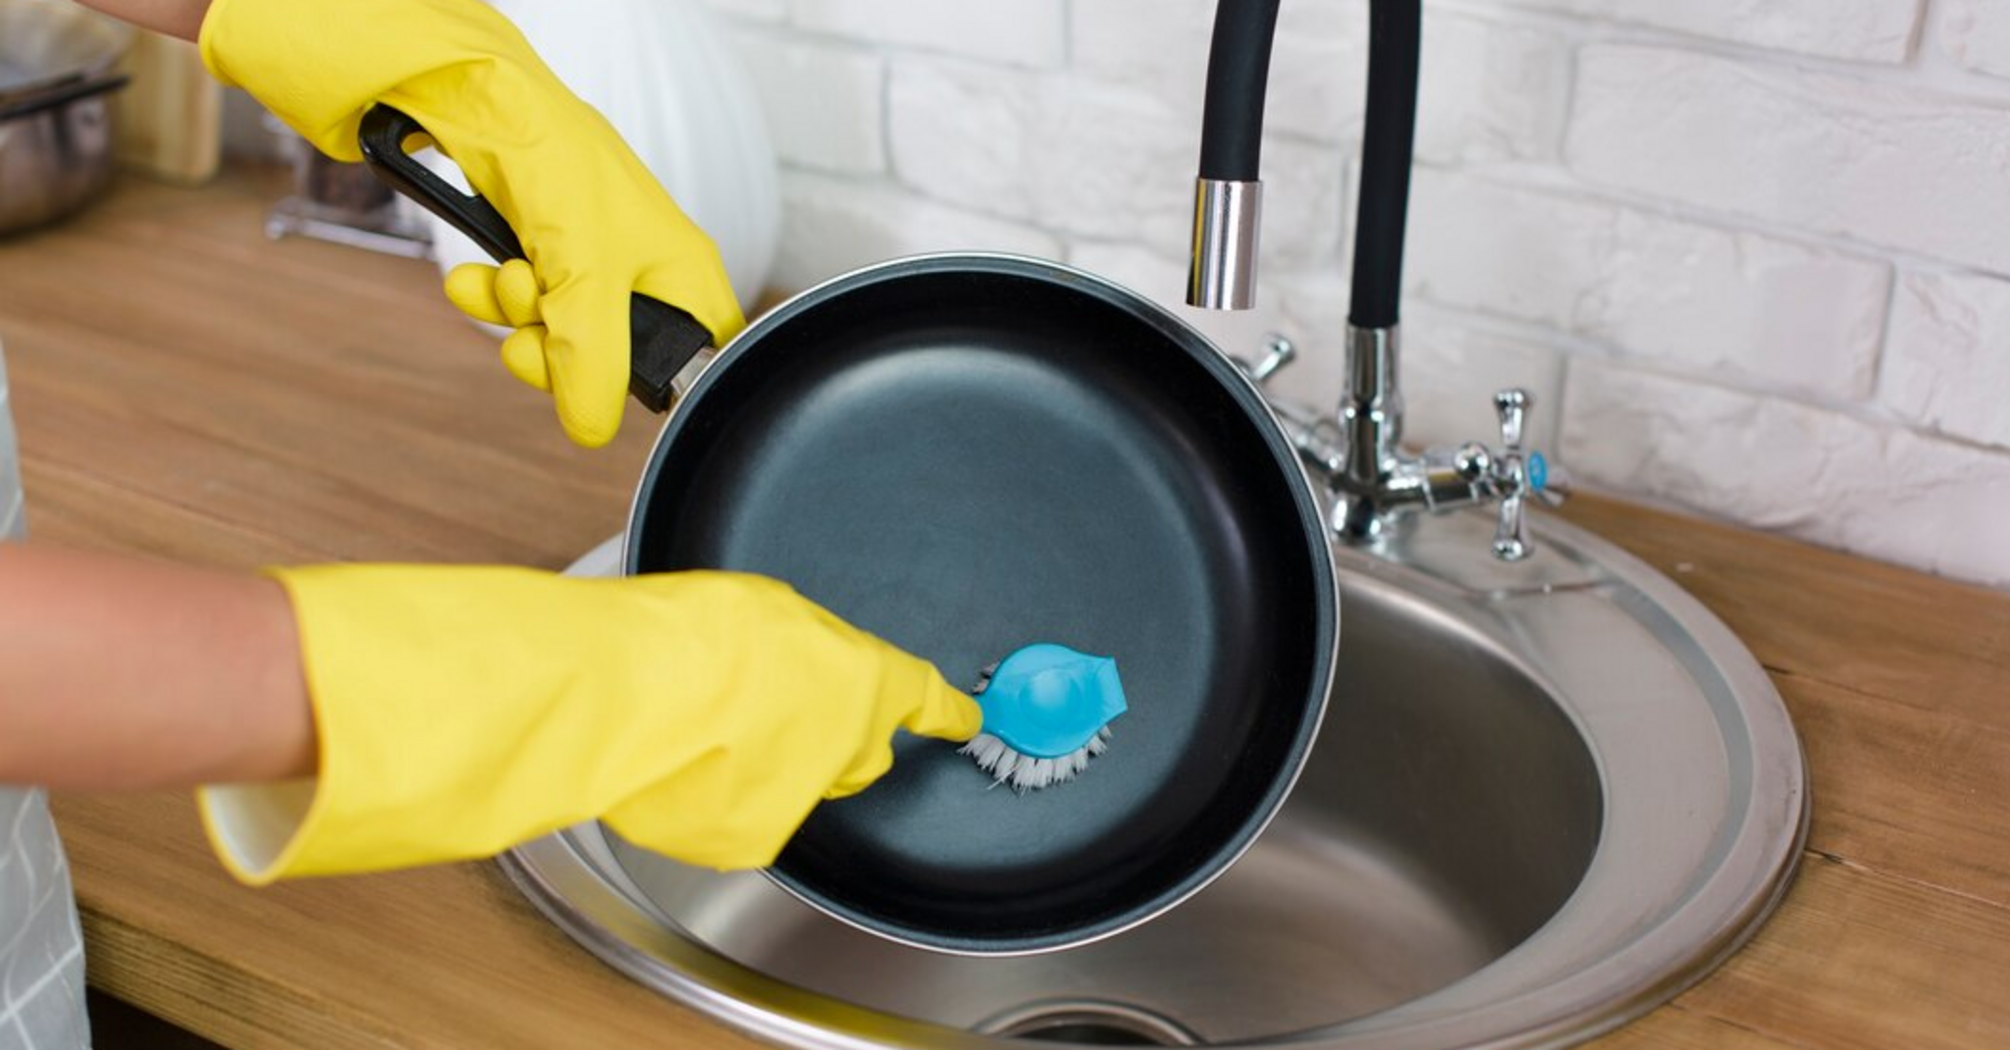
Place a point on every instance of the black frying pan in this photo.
(967, 454)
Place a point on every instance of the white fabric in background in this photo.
(41, 944)
(13, 521)
(666, 75)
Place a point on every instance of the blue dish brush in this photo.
(1047, 711)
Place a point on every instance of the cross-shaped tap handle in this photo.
(1512, 475)
(1512, 406)
(1278, 351)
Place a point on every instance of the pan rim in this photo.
(1242, 391)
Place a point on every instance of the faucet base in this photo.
(1357, 519)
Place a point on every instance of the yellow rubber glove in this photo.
(594, 222)
(463, 710)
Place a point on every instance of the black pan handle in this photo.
(59, 93)
(662, 338)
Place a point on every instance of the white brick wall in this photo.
(1948, 367)
(1878, 161)
(836, 225)
(1019, 32)
(1976, 34)
(1086, 157)
(1161, 48)
(838, 126)
(1752, 256)
(1494, 92)
(1824, 476)
(1867, 30)
(1688, 296)
(761, 10)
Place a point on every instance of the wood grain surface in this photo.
(187, 389)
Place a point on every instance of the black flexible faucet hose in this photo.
(1232, 132)
(1387, 140)
(1238, 70)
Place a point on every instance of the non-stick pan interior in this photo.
(967, 456)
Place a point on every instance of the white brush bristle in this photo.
(1026, 773)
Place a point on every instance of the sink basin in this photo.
(1548, 796)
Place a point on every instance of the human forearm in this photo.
(182, 18)
(122, 673)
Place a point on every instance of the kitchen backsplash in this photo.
(1751, 256)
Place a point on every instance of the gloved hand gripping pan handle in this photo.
(662, 338)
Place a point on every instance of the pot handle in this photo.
(662, 338)
(62, 93)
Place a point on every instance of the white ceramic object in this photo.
(669, 81)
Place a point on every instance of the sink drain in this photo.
(1090, 1024)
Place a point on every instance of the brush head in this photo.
(1047, 710)
(1026, 773)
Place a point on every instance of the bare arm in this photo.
(120, 673)
(182, 18)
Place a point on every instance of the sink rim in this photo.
(581, 890)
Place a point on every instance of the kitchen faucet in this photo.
(1355, 451)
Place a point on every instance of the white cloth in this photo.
(41, 944)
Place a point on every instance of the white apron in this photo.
(41, 946)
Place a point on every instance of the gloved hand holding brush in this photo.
(595, 224)
(462, 710)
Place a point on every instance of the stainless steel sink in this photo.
(1548, 797)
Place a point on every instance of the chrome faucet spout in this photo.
(1227, 200)
(1228, 191)
(1374, 482)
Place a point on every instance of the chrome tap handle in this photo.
(1278, 351)
(1515, 476)
(1510, 535)
(1547, 482)
(1512, 406)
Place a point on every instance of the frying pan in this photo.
(965, 454)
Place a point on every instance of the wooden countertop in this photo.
(185, 388)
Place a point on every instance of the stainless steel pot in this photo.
(56, 76)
